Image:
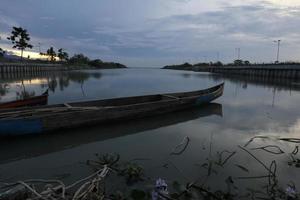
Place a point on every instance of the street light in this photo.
(218, 56)
(278, 45)
(238, 50)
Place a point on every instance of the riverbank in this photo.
(283, 71)
(28, 67)
(185, 66)
(104, 65)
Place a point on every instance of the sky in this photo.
(154, 33)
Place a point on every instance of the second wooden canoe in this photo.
(31, 101)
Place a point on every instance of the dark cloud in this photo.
(134, 31)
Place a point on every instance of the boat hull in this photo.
(24, 148)
(33, 101)
(16, 127)
(103, 111)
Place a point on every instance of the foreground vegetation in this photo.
(139, 186)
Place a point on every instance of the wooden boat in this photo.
(42, 119)
(31, 101)
(18, 148)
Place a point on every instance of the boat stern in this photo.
(206, 98)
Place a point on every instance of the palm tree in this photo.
(20, 38)
(62, 54)
(51, 53)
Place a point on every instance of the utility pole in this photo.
(238, 50)
(278, 45)
(39, 47)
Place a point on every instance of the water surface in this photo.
(248, 108)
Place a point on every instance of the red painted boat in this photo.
(31, 101)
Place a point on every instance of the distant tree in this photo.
(96, 63)
(238, 62)
(20, 38)
(202, 64)
(246, 62)
(51, 53)
(2, 52)
(63, 55)
(43, 54)
(79, 59)
(187, 64)
(218, 63)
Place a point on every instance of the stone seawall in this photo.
(8, 68)
(272, 71)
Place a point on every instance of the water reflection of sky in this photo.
(249, 108)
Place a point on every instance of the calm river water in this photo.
(248, 108)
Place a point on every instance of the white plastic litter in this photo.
(291, 192)
(160, 190)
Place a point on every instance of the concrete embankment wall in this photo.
(272, 71)
(7, 68)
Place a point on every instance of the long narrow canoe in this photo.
(43, 119)
(22, 148)
(31, 101)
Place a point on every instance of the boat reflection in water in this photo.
(17, 148)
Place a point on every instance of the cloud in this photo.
(160, 32)
(243, 26)
(7, 21)
(47, 18)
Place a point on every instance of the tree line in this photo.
(20, 40)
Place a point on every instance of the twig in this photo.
(295, 151)
(87, 178)
(253, 177)
(49, 192)
(256, 137)
(293, 140)
(222, 163)
(31, 189)
(201, 189)
(265, 148)
(185, 142)
(100, 176)
(256, 159)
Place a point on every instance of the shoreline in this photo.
(281, 71)
(12, 67)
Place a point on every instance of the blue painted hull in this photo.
(15, 127)
(208, 97)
